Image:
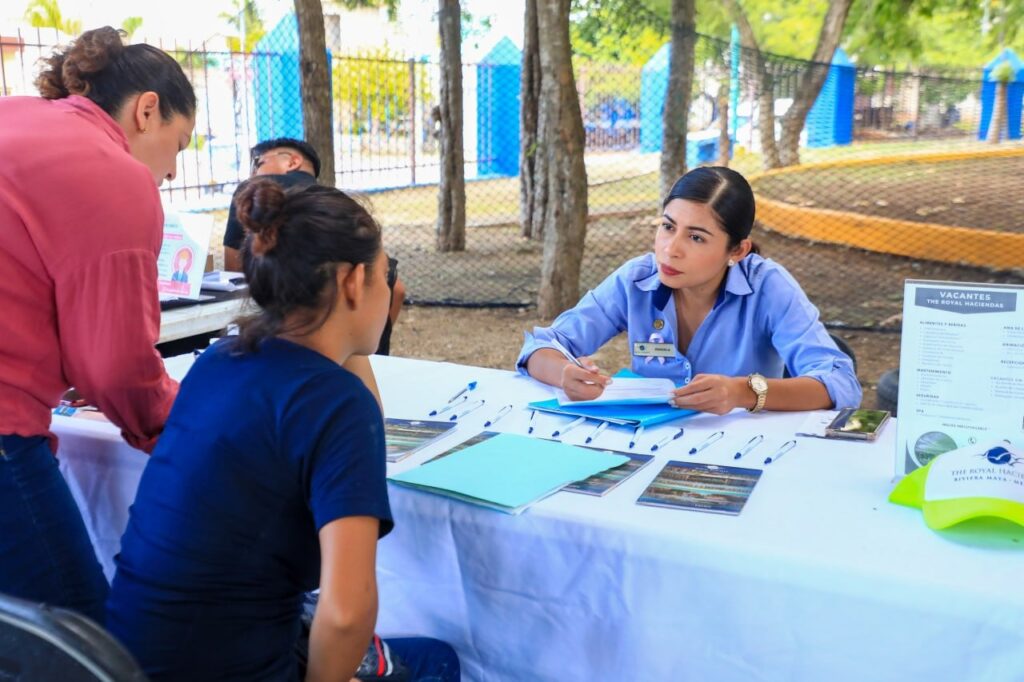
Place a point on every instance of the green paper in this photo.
(509, 471)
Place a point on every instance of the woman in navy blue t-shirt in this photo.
(269, 478)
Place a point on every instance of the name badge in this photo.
(654, 350)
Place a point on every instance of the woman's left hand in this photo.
(712, 393)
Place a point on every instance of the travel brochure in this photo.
(701, 487)
(961, 369)
(404, 437)
(602, 483)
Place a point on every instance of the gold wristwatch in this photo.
(759, 385)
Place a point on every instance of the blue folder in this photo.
(622, 415)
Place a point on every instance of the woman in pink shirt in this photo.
(80, 230)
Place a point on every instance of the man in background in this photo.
(294, 163)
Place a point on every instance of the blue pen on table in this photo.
(786, 447)
(469, 387)
(751, 444)
(637, 432)
(533, 415)
(501, 413)
(572, 425)
(713, 438)
(668, 439)
(475, 406)
(449, 406)
(597, 432)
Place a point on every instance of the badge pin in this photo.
(659, 325)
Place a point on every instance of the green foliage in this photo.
(130, 25)
(1002, 74)
(244, 18)
(371, 90)
(47, 14)
(391, 5)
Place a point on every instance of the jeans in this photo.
(45, 551)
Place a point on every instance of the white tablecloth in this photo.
(819, 578)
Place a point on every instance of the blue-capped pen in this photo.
(637, 432)
(668, 439)
(469, 387)
(786, 447)
(713, 438)
(449, 406)
(751, 444)
(572, 425)
(475, 406)
(597, 432)
(501, 413)
(533, 415)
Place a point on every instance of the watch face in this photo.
(758, 383)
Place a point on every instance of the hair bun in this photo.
(260, 208)
(70, 72)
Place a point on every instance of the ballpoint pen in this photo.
(786, 447)
(449, 406)
(572, 425)
(501, 413)
(597, 432)
(475, 406)
(668, 439)
(713, 438)
(637, 432)
(469, 387)
(751, 444)
(533, 415)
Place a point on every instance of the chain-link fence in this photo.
(895, 179)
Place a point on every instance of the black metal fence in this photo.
(896, 180)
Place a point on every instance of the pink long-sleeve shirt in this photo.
(80, 230)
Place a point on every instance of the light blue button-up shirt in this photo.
(761, 322)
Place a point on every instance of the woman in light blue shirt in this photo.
(705, 310)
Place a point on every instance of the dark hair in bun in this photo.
(99, 66)
(295, 240)
(726, 192)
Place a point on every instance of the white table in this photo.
(180, 323)
(819, 578)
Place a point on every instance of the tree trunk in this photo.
(724, 143)
(810, 81)
(531, 220)
(559, 179)
(316, 85)
(997, 124)
(451, 191)
(765, 84)
(675, 116)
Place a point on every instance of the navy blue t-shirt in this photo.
(260, 451)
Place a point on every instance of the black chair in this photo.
(39, 642)
(842, 345)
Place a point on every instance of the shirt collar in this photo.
(101, 119)
(736, 283)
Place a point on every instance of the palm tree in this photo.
(130, 25)
(47, 14)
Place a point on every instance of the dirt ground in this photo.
(492, 337)
(981, 193)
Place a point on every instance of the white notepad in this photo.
(626, 391)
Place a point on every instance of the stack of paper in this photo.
(508, 472)
(627, 391)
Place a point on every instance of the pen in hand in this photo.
(713, 438)
(751, 444)
(786, 447)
